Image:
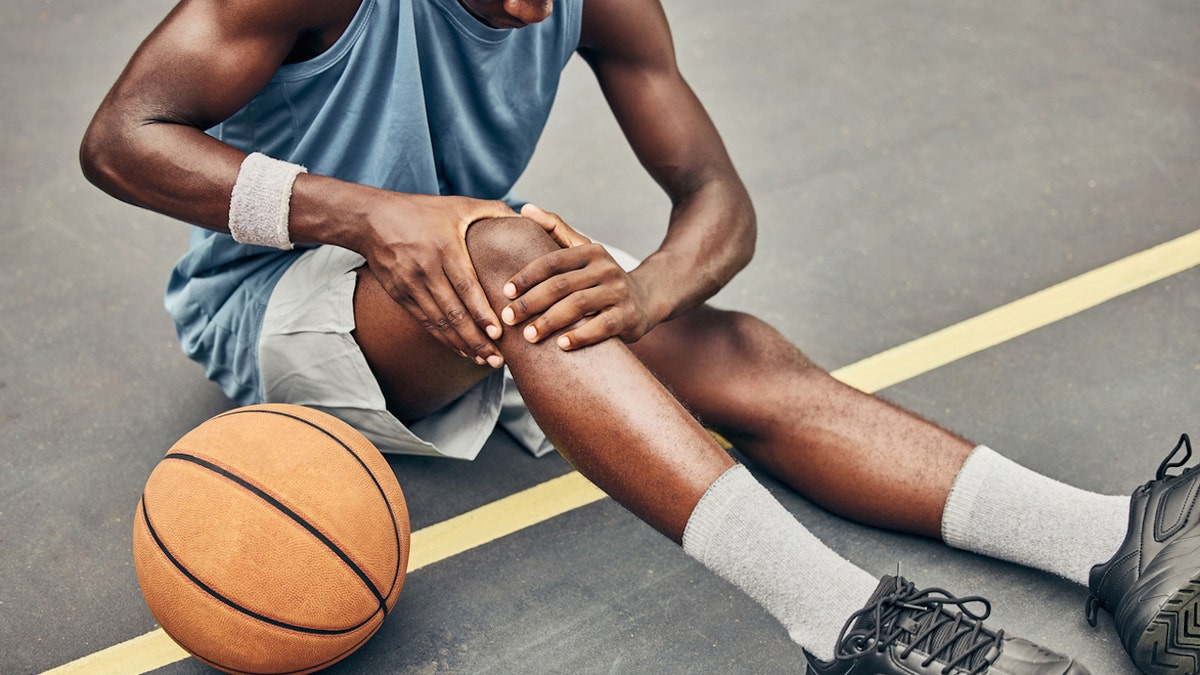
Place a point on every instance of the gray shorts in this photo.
(307, 356)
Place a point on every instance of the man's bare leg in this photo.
(600, 407)
(868, 460)
(855, 454)
(614, 421)
(851, 452)
(604, 411)
(611, 418)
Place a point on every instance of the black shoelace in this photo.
(1185, 444)
(916, 619)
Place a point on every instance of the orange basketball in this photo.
(271, 539)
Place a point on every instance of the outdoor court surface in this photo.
(914, 165)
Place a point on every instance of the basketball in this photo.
(271, 539)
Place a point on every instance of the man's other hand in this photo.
(578, 290)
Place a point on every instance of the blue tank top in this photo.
(416, 96)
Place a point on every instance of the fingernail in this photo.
(507, 316)
(479, 360)
(493, 331)
(495, 360)
(530, 333)
(564, 342)
(510, 290)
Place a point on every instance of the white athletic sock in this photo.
(1004, 510)
(740, 532)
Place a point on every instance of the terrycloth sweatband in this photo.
(262, 194)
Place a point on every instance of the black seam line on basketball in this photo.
(361, 463)
(306, 669)
(224, 600)
(282, 508)
(395, 527)
(324, 664)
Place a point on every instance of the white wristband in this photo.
(258, 208)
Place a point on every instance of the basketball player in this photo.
(348, 165)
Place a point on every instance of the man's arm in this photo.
(205, 61)
(712, 228)
(711, 233)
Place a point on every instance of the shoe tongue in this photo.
(887, 586)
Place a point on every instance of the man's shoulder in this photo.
(330, 19)
(630, 31)
(302, 16)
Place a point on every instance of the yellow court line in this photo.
(501, 518)
(139, 655)
(1022, 316)
(566, 493)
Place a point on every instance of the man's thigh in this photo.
(310, 354)
(417, 373)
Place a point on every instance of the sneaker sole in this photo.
(1170, 645)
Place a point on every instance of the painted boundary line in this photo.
(1024, 315)
(571, 491)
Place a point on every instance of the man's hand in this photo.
(419, 254)
(556, 227)
(579, 288)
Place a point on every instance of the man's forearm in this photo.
(710, 239)
(179, 171)
(167, 167)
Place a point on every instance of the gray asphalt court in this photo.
(913, 165)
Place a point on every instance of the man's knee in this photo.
(500, 247)
(746, 339)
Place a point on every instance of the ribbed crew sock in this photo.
(1004, 510)
(740, 532)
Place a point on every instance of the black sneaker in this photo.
(908, 631)
(1152, 585)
